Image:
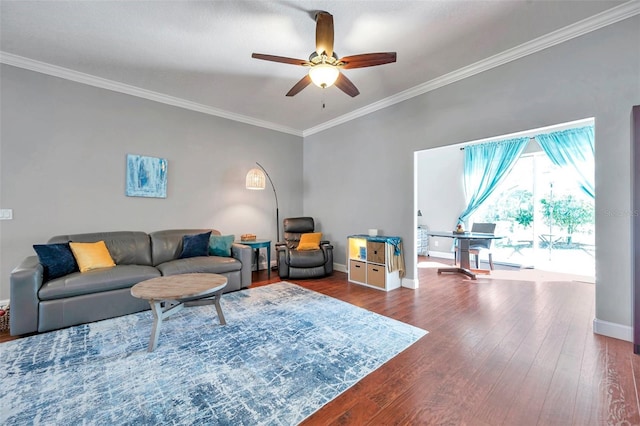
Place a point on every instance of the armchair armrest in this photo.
(244, 254)
(328, 254)
(25, 281)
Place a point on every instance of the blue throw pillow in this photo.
(195, 245)
(220, 245)
(57, 260)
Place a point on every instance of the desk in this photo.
(463, 247)
(257, 245)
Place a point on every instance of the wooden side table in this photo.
(257, 245)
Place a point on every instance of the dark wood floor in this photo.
(498, 352)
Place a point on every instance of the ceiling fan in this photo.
(324, 63)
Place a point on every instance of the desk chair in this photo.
(476, 246)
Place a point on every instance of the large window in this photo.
(547, 220)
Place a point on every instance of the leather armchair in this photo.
(293, 263)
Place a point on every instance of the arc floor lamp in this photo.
(256, 180)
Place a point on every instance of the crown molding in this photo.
(103, 83)
(603, 19)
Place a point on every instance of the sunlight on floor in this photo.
(569, 261)
(538, 275)
(432, 263)
(513, 273)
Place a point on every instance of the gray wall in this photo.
(367, 164)
(439, 177)
(62, 166)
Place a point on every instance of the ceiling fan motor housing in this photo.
(316, 59)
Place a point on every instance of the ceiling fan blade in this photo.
(324, 33)
(281, 59)
(344, 84)
(297, 88)
(367, 60)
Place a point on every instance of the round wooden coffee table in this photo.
(168, 295)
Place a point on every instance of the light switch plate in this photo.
(6, 214)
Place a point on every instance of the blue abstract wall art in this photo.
(146, 176)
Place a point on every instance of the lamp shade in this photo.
(255, 179)
(323, 75)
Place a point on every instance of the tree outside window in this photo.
(567, 213)
(514, 206)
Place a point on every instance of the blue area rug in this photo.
(284, 353)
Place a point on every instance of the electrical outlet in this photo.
(436, 243)
(6, 214)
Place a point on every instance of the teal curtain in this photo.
(572, 148)
(485, 166)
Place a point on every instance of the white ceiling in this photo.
(197, 54)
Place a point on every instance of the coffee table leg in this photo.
(171, 307)
(218, 296)
(214, 299)
(156, 308)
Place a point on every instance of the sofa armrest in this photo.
(25, 281)
(244, 254)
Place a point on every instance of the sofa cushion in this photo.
(220, 245)
(91, 256)
(120, 276)
(56, 259)
(167, 245)
(195, 245)
(202, 264)
(125, 247)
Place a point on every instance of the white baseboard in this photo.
(611, 329)
(441, 254)
(410, 283)
(4, 302)
(340, 267)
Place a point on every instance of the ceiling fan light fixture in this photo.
(324, 75)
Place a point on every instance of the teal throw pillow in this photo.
(220, 245)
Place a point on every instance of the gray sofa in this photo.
(77, 298)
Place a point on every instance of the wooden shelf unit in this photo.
(367, 264)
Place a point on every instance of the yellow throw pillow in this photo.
(91, 256)
(310, 241)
